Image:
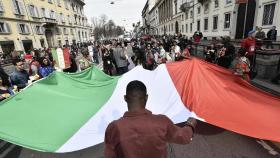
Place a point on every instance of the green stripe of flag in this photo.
(46, 115)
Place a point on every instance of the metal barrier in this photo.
(266, 61)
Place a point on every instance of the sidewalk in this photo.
(267, 86)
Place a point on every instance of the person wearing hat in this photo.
(249, 44)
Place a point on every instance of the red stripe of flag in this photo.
(241, 1)
(226, 100)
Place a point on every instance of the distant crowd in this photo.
(147, 51)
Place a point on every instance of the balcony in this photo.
(185, 7)
(49, 20)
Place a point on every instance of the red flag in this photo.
(241, 1)
(226, 100)
(66, 54)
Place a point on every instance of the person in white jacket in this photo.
(175, 51)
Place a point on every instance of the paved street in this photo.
(209, 142)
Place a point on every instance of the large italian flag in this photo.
(69, 112)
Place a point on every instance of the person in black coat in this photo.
(226, 54)
(271, 36)
(210, 53)
(73, 64)
(107, 58)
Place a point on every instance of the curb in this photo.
(269, 90)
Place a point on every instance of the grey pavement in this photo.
(266, 86)
(209, 142)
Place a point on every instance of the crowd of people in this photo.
(152, 51)
(29, 67)
(37, 64)
(148, 52)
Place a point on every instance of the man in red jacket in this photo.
(249, 44)
(141, 134)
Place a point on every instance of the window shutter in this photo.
(1, 6)
(37, 12)
(42, 29)
(47, 13)
(55, 15)
(16, 11)
(27, 29)
(34, 29)
(30, 11)
(18, 27)
(21, 7)
(7, 27)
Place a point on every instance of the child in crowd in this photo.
(242, 67)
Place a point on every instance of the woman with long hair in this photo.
(107, 57)
(46, 68)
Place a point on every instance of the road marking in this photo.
(7, 151)
(267, 147)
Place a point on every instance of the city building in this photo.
(154, 20)
(146, 17)
(214, 18)
(28, 24)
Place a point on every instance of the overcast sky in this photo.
(128, 10)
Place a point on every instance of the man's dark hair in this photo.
(119, 44)
(134, 86)
(242, 51)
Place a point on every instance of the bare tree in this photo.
(103, 19)
(95, 22)
(104, 28)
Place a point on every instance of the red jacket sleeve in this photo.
(178, 135)
(109, 142)
(243, 44)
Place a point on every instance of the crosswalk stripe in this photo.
(7, 151)
(267, 147)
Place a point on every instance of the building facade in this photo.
(28, 24)
(154, 21)
(145, 18)
(216, 18)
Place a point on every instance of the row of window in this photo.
(268, 17)
(47, 13)
(227, 22)
(206, 6)
(74, 7)
(24, 29)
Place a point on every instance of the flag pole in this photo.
(245, 19)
